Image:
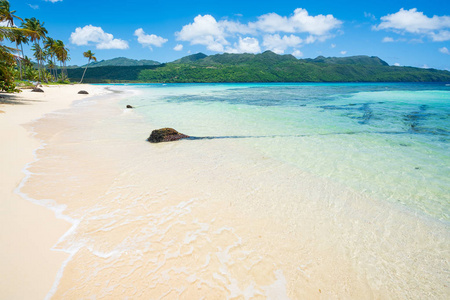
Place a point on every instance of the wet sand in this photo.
(28, 231)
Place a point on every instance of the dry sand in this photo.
(28, 231)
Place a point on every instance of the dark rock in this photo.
(129, 106)
(165, 135)
(38, 90)
(83, 92)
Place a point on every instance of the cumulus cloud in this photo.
(299, 22)
(205, 30)
(297, 53)
(95, 35)
(397, 64)
(415, 22)
(178, 47)
(343, 52)
(444, 50)
(388, 39)
(149, 40)
(245, 45)
(279, 44)
(216, 35)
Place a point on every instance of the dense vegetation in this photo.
(123, 61)
(265, 67)
(108, 74)
(47, 51)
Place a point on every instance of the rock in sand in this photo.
(83, 92)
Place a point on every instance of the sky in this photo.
(404, 33)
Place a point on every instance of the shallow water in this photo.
(301, 191)
(390, 140)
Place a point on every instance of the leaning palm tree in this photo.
(90, 56)
(6, 15)
(38, 30)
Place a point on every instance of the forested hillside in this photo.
(264, 67)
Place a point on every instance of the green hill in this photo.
(264, 67)
(122, 62)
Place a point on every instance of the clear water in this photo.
(388, 140)
(299, 191)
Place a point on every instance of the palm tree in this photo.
(20, 38)
(90, 56)
(6, 15)
(39, 32)
(7, 58)
(62, 55)
(50, 46)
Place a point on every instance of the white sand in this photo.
(28, 231)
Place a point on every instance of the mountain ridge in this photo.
(264, 67)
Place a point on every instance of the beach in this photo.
(28, 231)
(282, 196)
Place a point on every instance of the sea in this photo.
(282, 191)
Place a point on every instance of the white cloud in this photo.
(216, 35)
(333, 45)
(178, 47)
(297, 53)
(92, 34)
(425, 66)
(205, 30)
(33, 6)
(245, 45)
(444, 50)
(53, 1)
(299, 22)
(415, 22)
(388, 39)
(279, 44)
(343, 52)
(149, 40)
(441, 36)
(4, 24)
(397, 64)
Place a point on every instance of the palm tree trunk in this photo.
(85, 71)
(20, 62)
(21, 48)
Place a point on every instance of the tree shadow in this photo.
(13, 99)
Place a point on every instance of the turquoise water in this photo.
(389, 141)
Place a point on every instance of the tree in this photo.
(90, 56)
(62, 55)
(6, 15)
(7, 58)
(50, 46)
(38, 32)
(20, 38)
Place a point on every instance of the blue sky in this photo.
(407, 33)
